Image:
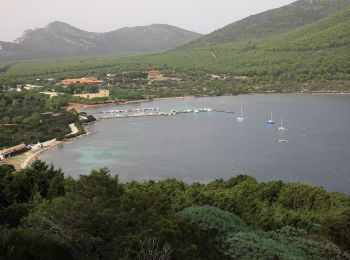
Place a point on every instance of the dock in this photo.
(143, 112)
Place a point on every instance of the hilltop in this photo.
(59, 39)
(271, 22)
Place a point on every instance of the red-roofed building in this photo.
(152, 74)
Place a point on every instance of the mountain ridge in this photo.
(270, 22)
(59, 39)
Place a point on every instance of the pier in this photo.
(142, 112)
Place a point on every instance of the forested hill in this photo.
(271, 22)
(59, 39)
(47, 216)
(317, 51)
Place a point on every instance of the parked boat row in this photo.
(141, 111)
(130, 110)
(138, 112)
(196, 110)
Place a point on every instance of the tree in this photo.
(22, 244)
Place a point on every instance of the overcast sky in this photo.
(202, 16)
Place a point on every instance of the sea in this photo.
(201, 147)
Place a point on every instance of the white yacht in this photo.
(282, 128)
(241, 118)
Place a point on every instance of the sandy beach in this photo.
(37, 150)
(22, 161)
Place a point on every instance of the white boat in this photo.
(241, 118)
(282, 133)
(282, 128)
(270, 121)
(196, 111)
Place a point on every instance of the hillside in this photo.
(271, 22)
(317, 54)
(59, 39)
(317, 51)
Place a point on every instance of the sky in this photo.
(203, 16)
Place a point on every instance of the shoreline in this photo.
(24, 160)
(31, 155)
(79, 105)
(34, 156)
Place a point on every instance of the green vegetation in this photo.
(46, 216)
(97, 217)
(314, 57)
(271, 22)
(30, 117)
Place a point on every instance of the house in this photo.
(12, 150)
(213, 76)
(102, 93)
(31, 87)
(81, 80)
(51, 94)
(153, 74)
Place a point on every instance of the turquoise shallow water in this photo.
(205, 146)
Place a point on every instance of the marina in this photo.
(204, 146)
(152, 111)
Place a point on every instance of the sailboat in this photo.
(282, 141)
(282, 128)
(282, 138)
(282, 133)
(241, 118)
(270, 121)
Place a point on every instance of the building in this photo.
(81, 81)
(8, 152)
(153, 74)
(213, 76)
(51, 94)
(240, 77)
(101, 94)
(31, 87)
